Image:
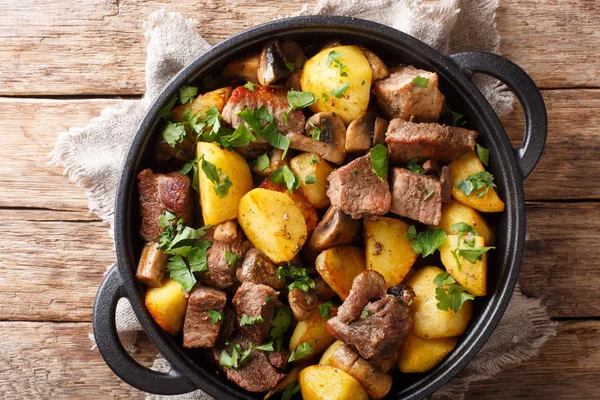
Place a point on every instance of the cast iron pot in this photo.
(510, 167)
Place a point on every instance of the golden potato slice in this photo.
(326, 357)
(339, 266)
(314, 332)
(386, 249)
(421, 355)
(324, 77)
(324, 382)
(472, 277)
(461, 169)
(273, 223)
(217, 209)
(429, 321)
(167, 305)
(455, 212)
(316, 169)
(217, 98)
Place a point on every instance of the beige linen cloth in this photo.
(92, 155)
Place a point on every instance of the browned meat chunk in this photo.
(381, 324)
(416, 196)
(273, 98)
(446, 182)
(159, 193)
(256, 373)
(219, 273)
(257, 268)
(443, 143)
(198, 329)
(366, 286)
(357, 190)
(278, 359)
(151, 268)
(430, 167)
(400, 95)
(254, 305)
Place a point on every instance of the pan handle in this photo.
(536, 120)
(116, 357)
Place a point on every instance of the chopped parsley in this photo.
(420, 81)
(231, 258)
(325, 309)
(428, 195)
(187, 94)
(215, 316)
(284, 175)
(302, 351)
(483, 154)
(279, 326)
(449, 294)
(263, 162)
(250, 86)
(290, 390)
(165, 111)
(339, 91)
(325, 97)
(237, 357)
(174, 133)
(476, 182)
(300, 277)
(246, 320)
(191, 166)
(366, 313)
(427, 242)
(291, 66)
(414, 166)
(316, 131)
(240, 137)
(379, 161)
(314, 160)
(298, 100)
(333, 61)
(256, 118)
(310, 179)
(221, 180)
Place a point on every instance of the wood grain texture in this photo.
(48, 360)
(62, 257)
(98, 47)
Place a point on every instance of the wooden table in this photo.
(64, 61)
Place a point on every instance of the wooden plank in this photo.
(54, 262)
(48, 360)
(27, 181)
(98, 46)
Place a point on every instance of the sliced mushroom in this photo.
(324, 291)
(385, 365)
(330, 141)
(379, 131)
(360, 132)
(335, 229)
(226, 231)
(376, 384)
(293, 54)
(380, 70)
(331, 43)
(302, 303)
(243, 68)
(275, 161)
(271, 63)
(151, 268)
(293, 81)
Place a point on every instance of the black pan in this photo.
(510, 167)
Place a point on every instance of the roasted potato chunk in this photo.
(340, 77)
(421, 355)
(455, 212)
(386, 249)
(339, 266)
(326, 357)
(167, 305)
(314, 332)
(273, 223)
(472, 277)
(461, 169)
(216, 209)
(312, 171)
(324, 382)
(217, 98)
(429, 321)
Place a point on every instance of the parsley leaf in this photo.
(275, 138)
(215, 316)
(325, 97)
(316, 131)
(284, 175)
(191, 166)
(339, 91)
(279, 326)
(303, 350)
(250, 86)
(379, 161)
(165, 219)
(240, 137)
(314, 160)
(263, 162)
(290, 390)
(456, 117)
(366, 313)
(474, 254)
(420, 81)
(255, 119)
(268, 346)
(291, 66)
(449, 294)
(483, 154)
(325, 309)
(174, 133)
(333, 60)
(428, 195)
(197, 256)
(461, 227)
(476, 182)
(300, 277)
(179, 271)
(246, 320)
(414, 166)
(311, 178)
(298, 100)
(231, 258)
(165, 111)
(426, 242)
(187, 93)
(221, 181)
(236, 358)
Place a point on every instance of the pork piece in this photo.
(198, 330)
(441, 143)
(255, 300)
(446, 182)
(160, 193)
(273, 98)
(430, 167)
(381, 324)
(357, 190)
(278, 359)
(219, 273)
(151, 268)
(399, 97)
(258, 268)
(256, 373)
(416, 196)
